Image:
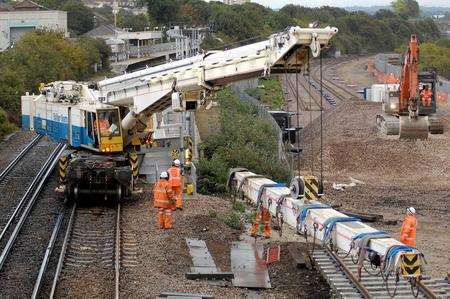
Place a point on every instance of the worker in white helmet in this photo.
(163, 201)
(176, 181)
(409, 227)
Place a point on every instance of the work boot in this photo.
(254, 229)
(267, 230)
(168, 220)
(160, 220)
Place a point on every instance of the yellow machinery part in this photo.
(410, 265)
(63, 163)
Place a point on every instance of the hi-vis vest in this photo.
(175, 176)
(162, 193)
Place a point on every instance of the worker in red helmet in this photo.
(176, 181)
(262, 215)
(164, 201)
(409, 226)
(426, 95)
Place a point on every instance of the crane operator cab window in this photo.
(107, 132)
(108, 123)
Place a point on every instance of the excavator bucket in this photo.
(414, 128)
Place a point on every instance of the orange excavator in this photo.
(409, 112)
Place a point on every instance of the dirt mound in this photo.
(354, 147)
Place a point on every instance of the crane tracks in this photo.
(343, 286)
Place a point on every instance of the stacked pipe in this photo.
(329, 226)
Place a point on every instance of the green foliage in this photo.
(44, 56)
(232, 219)
(239, 207)
(127, 19)
(269, 92)
(406, 8)
(164, 11)
(5, 126)
(244, 140)
(80, 18)
(234, 25)
(435, 57)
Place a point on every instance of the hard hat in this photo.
(411, 210)
(176, 162)
(164, 175)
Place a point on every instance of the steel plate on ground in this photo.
(249, 266)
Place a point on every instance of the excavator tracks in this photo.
(435, 125)
(388, 125)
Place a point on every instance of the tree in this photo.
(164, 11)
(41, 57)
(406, 8)
(80, 18)
(127, 19)
(434, 57)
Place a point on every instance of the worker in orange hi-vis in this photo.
(176, 180)
(163, 201)
(425, 95)
(408, 231)
(262, 215)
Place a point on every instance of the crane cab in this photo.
(103, 130)
(65, 112)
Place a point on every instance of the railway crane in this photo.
(409, 111)
(103, 122)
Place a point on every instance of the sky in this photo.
(281, 3)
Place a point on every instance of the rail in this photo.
(117, 255)
(77, 215)
(48, 252)
(390, 261)
(34, 190)
(19, 157)
(62, 254)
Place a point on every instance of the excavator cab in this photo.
(410, 113)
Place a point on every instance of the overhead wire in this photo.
(311, 143)
(321, 121)
(297, 131)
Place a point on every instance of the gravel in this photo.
(163, 256)
(20, 270)
(397, 173)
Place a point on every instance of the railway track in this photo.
(19, 157)
(339, 92)
(93, 244)
(341, 274)
(25, 205)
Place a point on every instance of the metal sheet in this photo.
(249, 266)
(200, 254)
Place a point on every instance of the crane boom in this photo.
(151, 89)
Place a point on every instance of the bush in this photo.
(244, 140)
(232, 219)
(269, 92)
(5, 126)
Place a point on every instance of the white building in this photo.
(18, 18)
(233, 2)
(125, 44)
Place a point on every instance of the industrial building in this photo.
(18, 18)
(235, 2)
